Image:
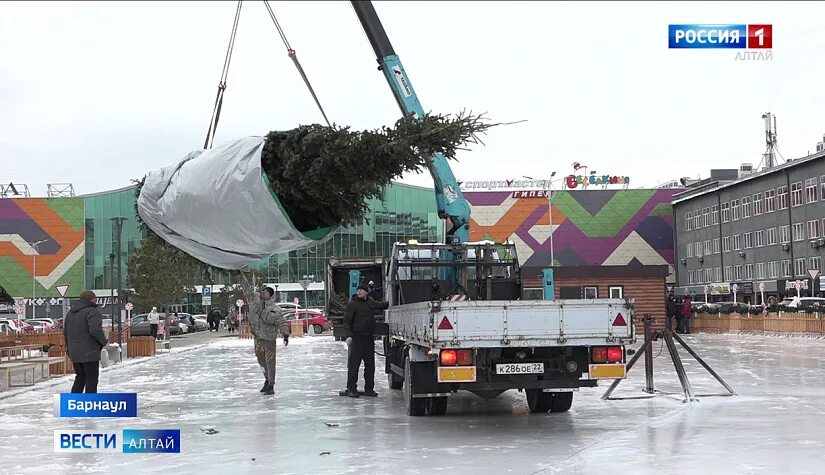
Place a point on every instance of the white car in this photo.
(803, 303)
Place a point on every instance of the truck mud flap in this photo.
(424, 379)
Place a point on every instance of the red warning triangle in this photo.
(445, 324)
(619, 321)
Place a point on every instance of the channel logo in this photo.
(695, 36)
(128, 441)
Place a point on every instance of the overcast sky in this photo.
(99, 93)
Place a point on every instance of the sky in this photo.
(99, 93)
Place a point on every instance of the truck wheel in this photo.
(394, 380)
(416, 406)
(538, 401)
(561, 402)
(437, 406)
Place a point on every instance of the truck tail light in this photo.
(599, 354)
(449, 357)
(614, 354)
(606, 354)
(456, 357)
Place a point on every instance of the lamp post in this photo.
(118, 222)
(548, 277)
(34, 267)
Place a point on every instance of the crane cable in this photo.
(216, 110)
(294, 56)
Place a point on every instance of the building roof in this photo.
(690, 194)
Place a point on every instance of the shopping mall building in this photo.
(605, 241)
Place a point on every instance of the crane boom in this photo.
(450, 201)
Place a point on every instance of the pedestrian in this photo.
(154, 318)
(231, 323)
(265, 320)
(83, 334)
(687, 310)
(167, 324)
(216, 319)
(359, 325)
(192, 327)
(209, 320)
(672, 310)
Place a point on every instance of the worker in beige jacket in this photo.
(265, 320)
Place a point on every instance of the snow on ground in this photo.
(775, 424)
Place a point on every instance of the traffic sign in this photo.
(19, 310)
(296, 300)
(761, 286)
(798, 285)
(129, 307)
(735, 287)
(206, 292)
(813, 273)
(61, 289)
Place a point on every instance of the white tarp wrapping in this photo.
(216, 206)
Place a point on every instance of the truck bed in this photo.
(522, 323)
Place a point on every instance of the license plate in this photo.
(608, 371)
(520, 368)
(461, 374)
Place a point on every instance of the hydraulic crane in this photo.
(452, 206)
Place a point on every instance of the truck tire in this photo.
(437, 406)
(394, 381)
(539, 401)
(561, 402)
(415, 406)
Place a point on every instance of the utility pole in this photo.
(118, 220)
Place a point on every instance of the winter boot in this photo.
(370, 393)
(286, 340)
(266, 385)
(348, 393)
(270, 389)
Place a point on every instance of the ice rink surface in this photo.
(775, 423)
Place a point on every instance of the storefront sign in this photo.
(504, 184)
(719, 289)
(573, 181)
(790, 285)
(530, 194)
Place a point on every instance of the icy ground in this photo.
(776, 423)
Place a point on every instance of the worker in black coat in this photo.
(83, 334)
(359, 324)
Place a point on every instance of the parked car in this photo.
(40, 325)
(17, 325)
(804, 303)
(315, 318)
(288, 306)
(140, 326)
(51, 324)
(201, 323)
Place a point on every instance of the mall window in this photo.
(616, 292)
(770, 201)
(758, 204)
(746, 207)
(735, 210)
(689, 221)
(697, 219)
(728, 273)
(760, 270)
(708, 275)
(787, 270)
(782, 197)
(737, 272)
(810, 190)
(822, 187)
(725, 212)
(759, 238)
(690, 249)
(799, 267)
(773, 270)
(813, 229)
(726, 244)
(714, 214)
(718, 274)
(798, 232)
(690, 277)
(796, 194)
(699, 276)
(705, 217)
(748, 271)
(716, 245)
(737, 242)
(698, 249)
(591, 292)
(708, 248)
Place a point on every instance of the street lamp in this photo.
(548, 274)
(34, 267)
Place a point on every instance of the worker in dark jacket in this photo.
(359, 323)
(83, 333)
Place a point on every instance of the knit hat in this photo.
(362, 286)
